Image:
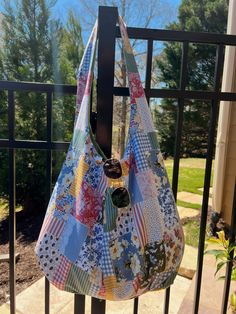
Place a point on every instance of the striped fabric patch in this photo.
(139, 223)
(78, 281)
(53, 225)
(102, 185)
(79, 175)
(110, 214)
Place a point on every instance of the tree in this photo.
(198, 16)
(37, 48)
(72, 47)
(69, 47)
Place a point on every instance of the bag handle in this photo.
(85, 76)
(86, 68)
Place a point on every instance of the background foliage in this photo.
(197, 16)
(37, 48)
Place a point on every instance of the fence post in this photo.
(107, 18)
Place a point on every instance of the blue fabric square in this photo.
(73, 238)
(135, 193)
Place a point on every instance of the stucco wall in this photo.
(230, 167)
(225, 158)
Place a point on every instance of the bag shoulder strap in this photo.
(85, 76)
(140, 115)
(85, 72)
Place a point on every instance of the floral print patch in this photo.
(126, 257)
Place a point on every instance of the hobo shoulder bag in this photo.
(111, 230)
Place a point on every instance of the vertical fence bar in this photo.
(47, 296)
(12, 196)
(79, 304)
(230, 264)
(49, 185)
(107, 19)
(98, 306)
(135, 310)
(207, 178)
(179, 127)
(148, 69)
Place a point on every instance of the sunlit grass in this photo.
(4, 208)
(188, 205)
(191, 174)
(192, 231)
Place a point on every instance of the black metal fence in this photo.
(108, 32)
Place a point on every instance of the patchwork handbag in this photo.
(111, 230)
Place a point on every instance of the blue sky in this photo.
(168, 13)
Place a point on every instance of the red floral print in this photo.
(88, 205)
(136, 87)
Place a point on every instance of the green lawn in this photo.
(191, 179)
(191, 174)
(188, 205)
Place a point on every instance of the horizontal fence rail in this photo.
(170, 35)
(108, 32)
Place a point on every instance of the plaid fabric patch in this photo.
(141, 146)
(61, 272)
(84, 68)
(163, 280)
(107, 266)
(94, 290)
